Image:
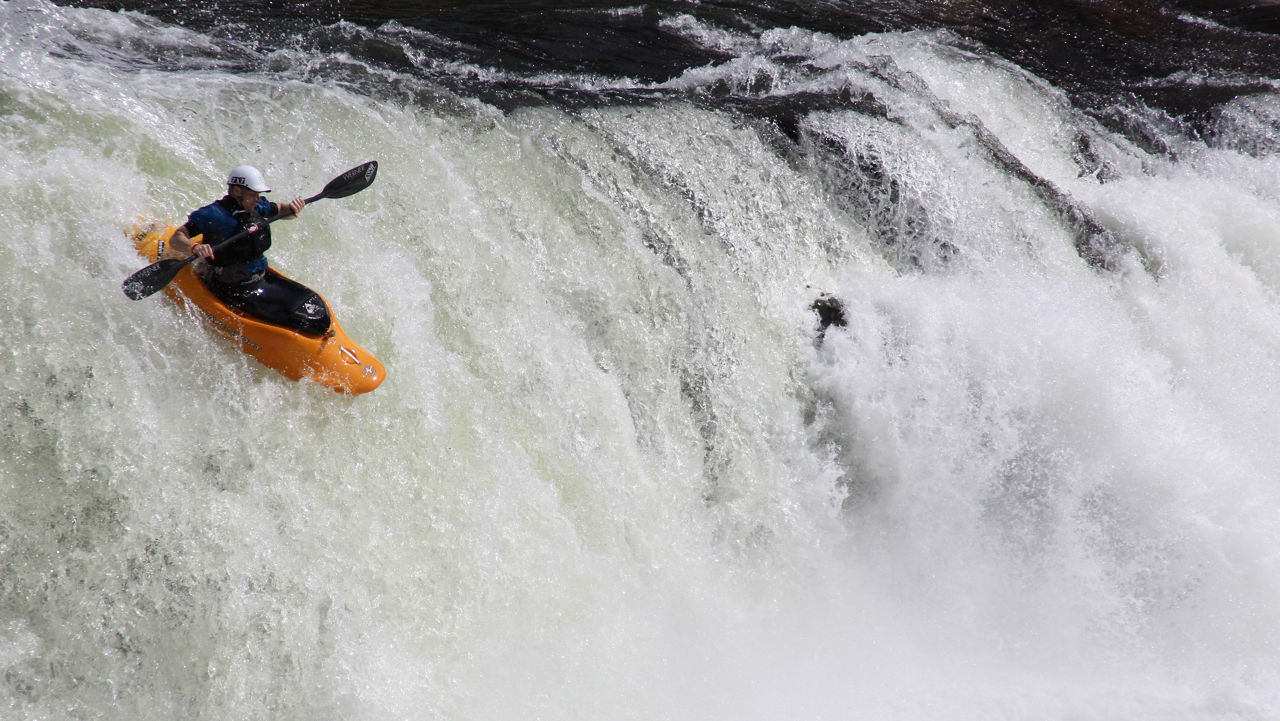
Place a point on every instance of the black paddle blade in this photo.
(351, 182)
(152, 278)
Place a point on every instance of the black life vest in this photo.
(246, 249)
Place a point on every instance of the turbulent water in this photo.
(621, 469)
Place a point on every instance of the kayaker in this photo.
(244, 261)
(235, 273)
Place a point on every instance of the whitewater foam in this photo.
(615, 471)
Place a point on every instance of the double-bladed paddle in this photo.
(157, 275)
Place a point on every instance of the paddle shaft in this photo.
(255, 227)
(157, 275)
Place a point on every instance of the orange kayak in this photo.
(331, 359)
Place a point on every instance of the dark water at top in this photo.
(1178, 58)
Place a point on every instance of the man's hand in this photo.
(293, 208)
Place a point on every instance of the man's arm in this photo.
(180, 245)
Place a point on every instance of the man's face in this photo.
(247, 198)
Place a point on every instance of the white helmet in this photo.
(249, 177)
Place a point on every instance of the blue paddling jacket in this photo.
(223, 219)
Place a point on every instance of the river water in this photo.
(619, 468)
